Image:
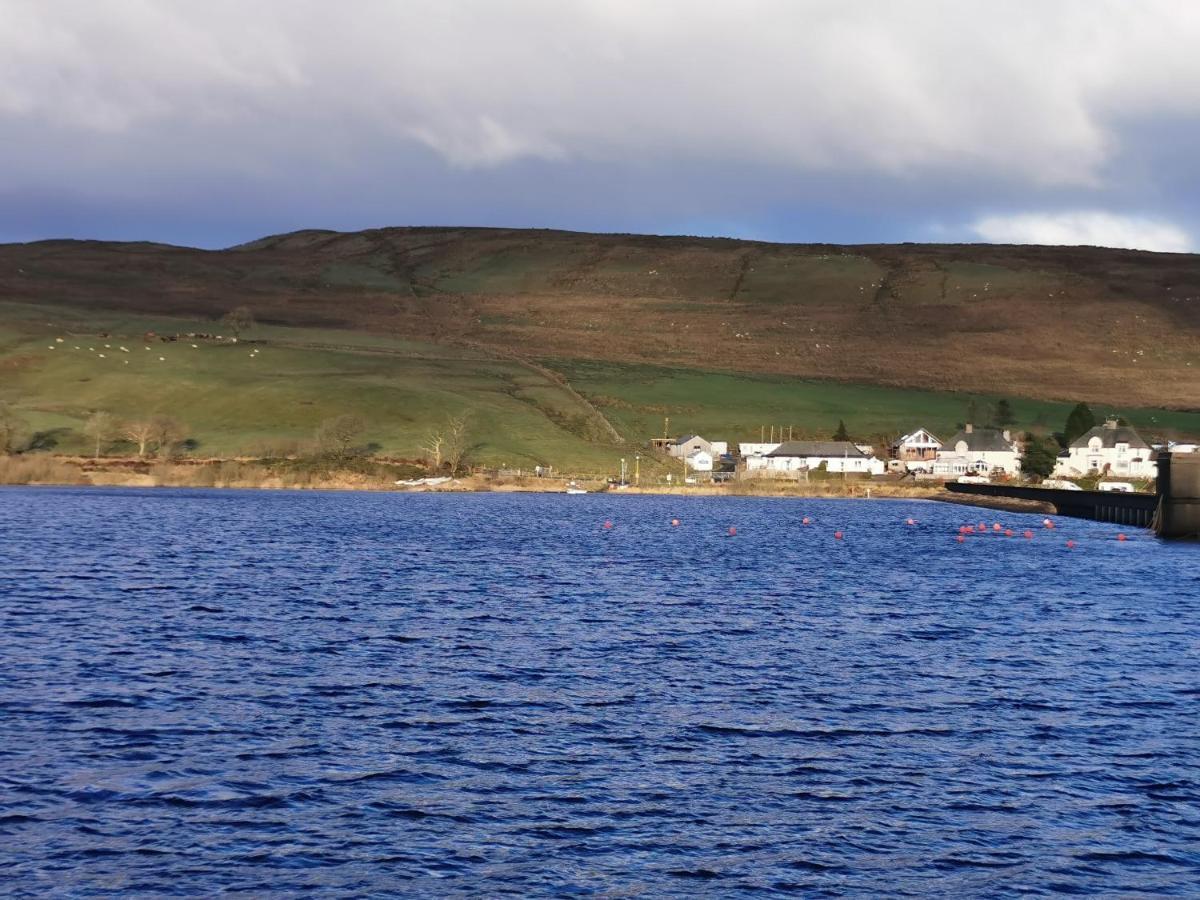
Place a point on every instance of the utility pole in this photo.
(637, 469)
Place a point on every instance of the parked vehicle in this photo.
(1061, 484)
(1123, 487)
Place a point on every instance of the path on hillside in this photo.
(556, 378)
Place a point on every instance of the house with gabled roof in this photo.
(978, 451)
(1108, 449)
(916, 450)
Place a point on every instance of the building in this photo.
(752, 453)
(1108, 449)
(683, 447)
(700, 461)
(836, 456)
(916, 451)
(978, 451)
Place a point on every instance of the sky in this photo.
(212, 123)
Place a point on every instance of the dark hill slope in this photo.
(1048, 322)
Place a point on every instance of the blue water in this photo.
(349, 694)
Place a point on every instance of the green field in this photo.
(636, 399)
(237, 401)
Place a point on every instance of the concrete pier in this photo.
(1173, 511)
(1178, 514)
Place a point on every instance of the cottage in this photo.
(978, 451)
(916, 451)
(1108, 449)
(836, 456)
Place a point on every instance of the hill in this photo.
(561, 331)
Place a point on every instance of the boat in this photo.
(423, 482)
(573, 488)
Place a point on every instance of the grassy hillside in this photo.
(542, 336)
(1049, 323)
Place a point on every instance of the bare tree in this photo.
(435, 441)
(238, 320)
(12, 429)
(457, 435)
(140, 432)
(168, 434)
(337, 435)
(100, 427)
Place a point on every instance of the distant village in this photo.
(1111, 450)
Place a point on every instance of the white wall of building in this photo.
(851, 464)
(1133, 462)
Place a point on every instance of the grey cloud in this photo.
(937, 114)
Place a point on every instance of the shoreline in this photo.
(237, 475)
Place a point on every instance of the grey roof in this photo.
(981, 440)
(688, 437)
(817, 448)
(1110, 437)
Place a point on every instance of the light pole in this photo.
(637, 469)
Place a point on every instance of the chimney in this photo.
(969, 428)
(1110, 422)
(1007, 434)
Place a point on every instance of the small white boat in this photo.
(573, 488)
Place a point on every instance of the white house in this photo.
(1109, 449)
(916, 451)
(978, 451)
(837, 456)
(752, 453)
(700, 461)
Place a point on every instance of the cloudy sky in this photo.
(210, 123)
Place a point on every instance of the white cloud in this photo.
(1089, 228)
(1020, 90)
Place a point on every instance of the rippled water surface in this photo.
(448, 695)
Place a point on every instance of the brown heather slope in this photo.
(1044, 322)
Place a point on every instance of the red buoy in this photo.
(806, 521)
(960, 538)
(1008, 532)
(1028, 533)
(837, 535)
(732, 531)
(607, 523)
(674, 521)
(1070, 544)
(910, 522)
(1121, 537)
